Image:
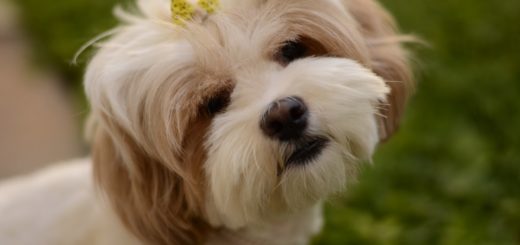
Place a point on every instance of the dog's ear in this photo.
(156, 202)
(388, 59)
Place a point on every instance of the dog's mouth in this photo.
(306, 151)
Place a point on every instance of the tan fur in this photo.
(160, 195)
(387, 58)
(156, 204)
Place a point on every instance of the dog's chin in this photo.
(314, 169)
(317, 169)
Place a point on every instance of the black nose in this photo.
(285, 119)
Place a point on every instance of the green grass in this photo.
(451, 176)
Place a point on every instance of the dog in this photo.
(224, 122)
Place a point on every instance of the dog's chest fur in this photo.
(295, 229)
(59, 206)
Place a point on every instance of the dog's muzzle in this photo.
(286, 120)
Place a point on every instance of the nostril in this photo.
(275, 126)
(297, 109)
(297, 112)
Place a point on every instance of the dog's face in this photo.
(263, 108)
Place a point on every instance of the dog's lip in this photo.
(307, 150)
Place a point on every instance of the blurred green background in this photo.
(451, 176)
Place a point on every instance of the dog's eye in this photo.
(291, 51)
(300, 48)
(217, 103)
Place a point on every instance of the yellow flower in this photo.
(209, 5)
(181, 11)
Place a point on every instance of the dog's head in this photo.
(261, 108)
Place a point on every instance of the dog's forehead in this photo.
(227, 4)
(249, 30)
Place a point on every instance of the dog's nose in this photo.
(285, 119)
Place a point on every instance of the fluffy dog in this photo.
(229, 123)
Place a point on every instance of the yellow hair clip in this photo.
(183, 11)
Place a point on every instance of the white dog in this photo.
(228, 123)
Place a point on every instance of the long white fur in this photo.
(58, 206)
